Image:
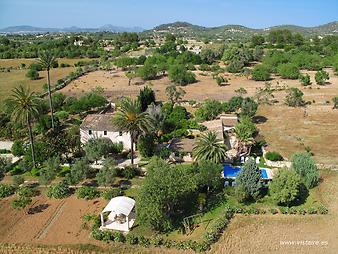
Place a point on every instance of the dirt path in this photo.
(51, 221)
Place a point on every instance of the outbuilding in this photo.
(119, 214)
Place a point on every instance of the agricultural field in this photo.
(44, 228)
(16, 76)
(286, 129)
(178, 139)
(263, 234)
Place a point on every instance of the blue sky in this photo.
(149, 13)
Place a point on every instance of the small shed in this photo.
(119, 214)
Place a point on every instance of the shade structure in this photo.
(120, 205)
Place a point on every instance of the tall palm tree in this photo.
(25, 108)
(46, 60)
(209, 148)
(130, 118)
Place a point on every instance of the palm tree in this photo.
(130, 118)
(46, 60)
(25, 107)
(209, 148)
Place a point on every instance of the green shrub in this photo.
(321, 77)
(312, 210)
(261, 73)
(146, 145)
(6, 190)
(156, 240)
(18, 180)
(322, 209)
(273, 211)
(119, 237)
(273, 156)
(32, 74)
(143, 241)
(18, 148)
(111, 193)
(130, 172)
(305, 79)
(294, 97)
(25, 191)
(87, 192)
(21, 202)
(292, 210)
(58, 191)
(35, 171)
(241, 194)
(301, 211)
(283, 210)
(288, 71)
(64, 171)
(4, 151)
(131, 239)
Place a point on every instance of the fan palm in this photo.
(130, 118)
(209, 148)
(46, 60)
(25, 108)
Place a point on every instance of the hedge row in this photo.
(320, 209)
(61, 83)
(211, 236)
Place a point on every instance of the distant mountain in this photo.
(184, 28)
(72, 29)
(230, 31)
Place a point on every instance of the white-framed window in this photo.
(120, 133)
(105, 133)
(90, 132)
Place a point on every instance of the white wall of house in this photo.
(115, 137)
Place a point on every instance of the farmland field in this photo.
(45, 229)
(265, 234)
(286, 129)
(9, 80)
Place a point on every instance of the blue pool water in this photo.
(231, 172)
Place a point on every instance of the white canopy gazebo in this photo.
(121, 215)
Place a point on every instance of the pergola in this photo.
(120, 214)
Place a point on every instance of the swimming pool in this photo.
(231, 172)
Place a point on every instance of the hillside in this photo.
(73, 29)
(235, 31)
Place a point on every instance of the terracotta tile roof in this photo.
(99, 122)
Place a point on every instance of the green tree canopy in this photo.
(245, 129)
(165, 196)
(180, 75)
(261, 73)
(285, 187)
(146, 97)
(209, 147)
(305, 166)
(130, 118)
(249, 178)
(288, 71)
